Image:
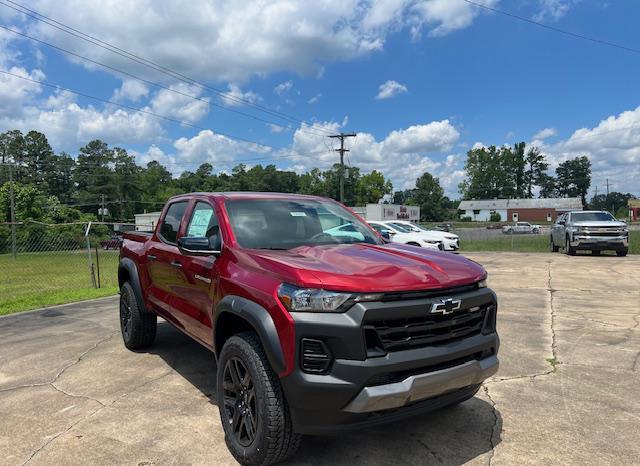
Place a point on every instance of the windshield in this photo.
(398, 227)
(286, 224)
(591, 217)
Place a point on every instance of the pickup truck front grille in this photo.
(428, 330)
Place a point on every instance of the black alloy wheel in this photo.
(240, 401)
(125, 315)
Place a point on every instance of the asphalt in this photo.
(566, 392)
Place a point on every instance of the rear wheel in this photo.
(254, 412)
(568, 250)
(552, 245)
(622, 253)
(138, 327)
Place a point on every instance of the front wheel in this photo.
(552, 245)
(568, 250)
(253, 410)
(622, 253)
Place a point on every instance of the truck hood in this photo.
(369, 268)
(600, 224)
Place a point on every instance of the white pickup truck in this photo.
(522, 228)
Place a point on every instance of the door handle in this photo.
(176, 264)
(151, 257)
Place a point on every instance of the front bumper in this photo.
(451, 244)
(361, 390)
(599, 243)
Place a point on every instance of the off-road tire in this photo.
(275, 439)
(137, 326)
(552, 245)
(568, 250)
(622, 253)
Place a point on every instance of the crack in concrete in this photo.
(430, 451)
(601, 322)
(553, 319)
(91, 414)
(62, 371)
(492, 440)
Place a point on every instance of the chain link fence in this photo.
(51, 264)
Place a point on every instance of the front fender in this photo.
(260, 320)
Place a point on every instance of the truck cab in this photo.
(315, 330)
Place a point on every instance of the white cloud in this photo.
(390, 89)
(613, 146)
(553, 9)
(283, 88)
(180, 105)
(131, 89)
(545, 134)
(445, 16)
(314, 99)
(234, 97)
(208, 146)
(401, 155)
(16, 92)
(275, 128)
(232, 41)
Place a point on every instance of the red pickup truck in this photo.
(314, 330)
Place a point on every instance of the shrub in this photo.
(495, 217)
(466, 219)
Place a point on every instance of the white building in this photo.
(378, 212)
(514, 210)
(147, 221)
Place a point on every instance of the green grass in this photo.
(34, 280)
(529, 243)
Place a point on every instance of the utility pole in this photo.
(342, 150)
(607, 188)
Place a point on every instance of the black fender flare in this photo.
(260, 320)
(128, 266)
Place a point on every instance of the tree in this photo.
(573, 178)
(613, 202)
(429, 195)
(38, 160)
(503, 172)
(535, 172)
(370, 188)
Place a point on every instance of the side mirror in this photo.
(196, 246)
(385, 235)
(561, 223)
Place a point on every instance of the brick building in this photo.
(634, 209)
(523, 210)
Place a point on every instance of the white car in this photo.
(406, 236)
(450, 241)
(522, 228)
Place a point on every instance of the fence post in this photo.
(98, 264)
(91, 271)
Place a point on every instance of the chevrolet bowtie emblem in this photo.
(445, 306)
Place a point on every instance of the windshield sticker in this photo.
(298, 214)
(200, 222)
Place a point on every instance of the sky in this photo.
(420, 82)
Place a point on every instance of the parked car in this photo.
(309, 330)
(593, 230)
(113, 243)
(450, 241)
(400, 234)
(443, 227)
(521, 228)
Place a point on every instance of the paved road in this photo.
(71, 394)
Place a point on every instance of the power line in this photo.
(148, 63)
(342, 151)
(553, 28)
(147, 81)
(144, 111)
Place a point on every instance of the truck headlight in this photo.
(482, 283)
(296, 299)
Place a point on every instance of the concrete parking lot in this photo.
(566, 392)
